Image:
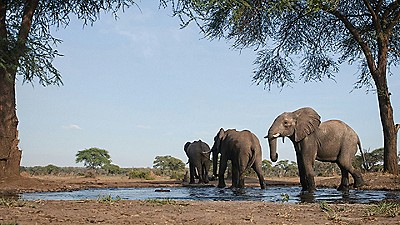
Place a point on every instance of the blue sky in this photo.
(141, 87)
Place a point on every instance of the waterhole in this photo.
(272, 194)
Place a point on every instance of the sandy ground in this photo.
(181, 212)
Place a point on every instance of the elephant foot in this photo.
(343, 188)
(308, 190)
(238, 191)
(221, 185)
(358, 183)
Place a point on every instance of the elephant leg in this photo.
(199, 169)
(221, 172)
(309, 174)
(257, 167)
(192, 173)
(235, 174)
(205, 174)
(358, 180)
(344, 184)
(302, 173)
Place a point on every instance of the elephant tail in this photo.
(251, 160)
(364, 162)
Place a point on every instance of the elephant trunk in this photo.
(215, 160)
(272, 141)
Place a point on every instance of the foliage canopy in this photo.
(168, 163)
(314, 36)
(93, 158)
(324, 33)
(30, 51)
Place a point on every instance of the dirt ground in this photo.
(182, 212)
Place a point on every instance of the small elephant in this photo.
(243, 149)
(198, 153)
(330, 141)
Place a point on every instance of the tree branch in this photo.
(375, 17)
(3, 10)
(27, 17)
(364, 46)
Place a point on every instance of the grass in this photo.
(331, 213)
(165, 201)
(8, 202)
(9, 223)
(384, 208)
(108, 199)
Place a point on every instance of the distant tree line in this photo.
(174, 168)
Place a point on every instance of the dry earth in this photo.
(181, 212)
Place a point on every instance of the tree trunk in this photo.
(10, 155)
(389, 128)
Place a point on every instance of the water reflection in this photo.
(271, 194)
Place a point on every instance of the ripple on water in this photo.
(271, 194)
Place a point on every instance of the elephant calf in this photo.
(198, 153)
(330, 141)
(243, 149)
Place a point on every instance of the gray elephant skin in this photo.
(330, 141)
(198, 153)
(243, 149)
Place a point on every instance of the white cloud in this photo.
(72, 127)
(143, 126)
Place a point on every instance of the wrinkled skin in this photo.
(330, 141)
(198, 153)
(243, 149)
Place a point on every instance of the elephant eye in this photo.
(286, 123)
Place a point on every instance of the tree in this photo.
(323, 33)
(166, 164)
(93, 158)
(27, 49)
(373, 160)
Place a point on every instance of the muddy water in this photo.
(272, 194)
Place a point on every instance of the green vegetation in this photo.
(384, 208)
(93, 158)
(331, 213)
(9, 223)
(165, 201)
(108, 199)
(169, 166)
(141, 174)
(284, 197)
(9, 202)
(309, 41)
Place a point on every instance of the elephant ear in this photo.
(186, 146)
(220, 136)
(307, 121)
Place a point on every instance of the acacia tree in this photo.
(93, 158)
(323, 33)
(27, 50)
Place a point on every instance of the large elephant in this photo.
(198, 153)
(330, 141)
(243, 149)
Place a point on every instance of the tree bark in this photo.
(389, 128)
(10, 155)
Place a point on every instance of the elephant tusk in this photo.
(276, 135)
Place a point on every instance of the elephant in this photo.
(329, 141)
(243, 149)
(198, 153)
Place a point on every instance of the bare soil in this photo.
(181, 212)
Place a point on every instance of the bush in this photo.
(140, 174)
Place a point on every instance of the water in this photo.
(271, 194)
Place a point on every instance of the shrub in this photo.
(140, 174)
